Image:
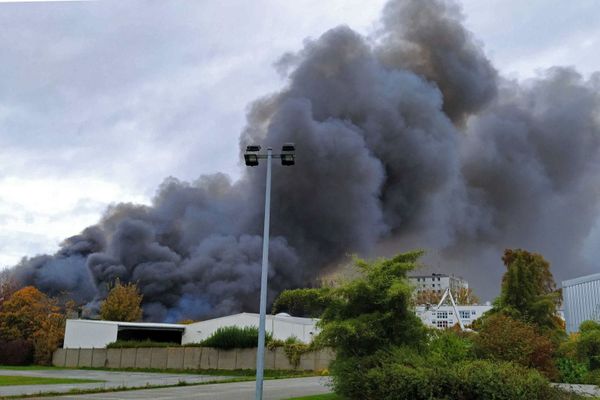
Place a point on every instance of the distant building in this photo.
(445, 317)
(437, 283)
(581, 300)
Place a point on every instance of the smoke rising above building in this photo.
(408, 136)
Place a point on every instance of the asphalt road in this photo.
(277, 389)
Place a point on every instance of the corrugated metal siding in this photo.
(581, 302)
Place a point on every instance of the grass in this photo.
(121, 389)
(9, 380)
(328, 396)
(269, 373)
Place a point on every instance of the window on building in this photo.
(442, 314)
(442, 324)
(465, 314)
(473, 312)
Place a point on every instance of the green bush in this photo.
(125, 344)
(480, 380)
(231, 337)
(448, 346)
(571, 371)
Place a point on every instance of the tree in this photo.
(302, 302)
(462, 296)
(24, 312)
(506, 339)
(372, 312)
(528, 290)
(427, 297)
(28, 315)
(465, 297)
(123, 303)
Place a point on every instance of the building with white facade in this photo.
(581, 300)
(437, 283)
(82, 333)
(445, 317)
(281, 326)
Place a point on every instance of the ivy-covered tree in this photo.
(123, 303)
(528, 290)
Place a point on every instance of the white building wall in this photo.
(581, 300)
(444, 317)
(89, 334)
(281, 327)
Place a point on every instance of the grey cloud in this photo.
(406, 137)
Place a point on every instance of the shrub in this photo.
(448, 346)
(482, 380)
(16, 352)
(588, 348)
(231, 337)
(505, 339)
(571, 371)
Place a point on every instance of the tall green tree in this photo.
(373, 312)
(528, 290)
(310, 302)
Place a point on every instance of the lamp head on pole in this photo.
(288, 154)
(250, 156)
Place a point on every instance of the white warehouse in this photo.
(281, 326)
(581, 297)
(81, 333)
(84, 333)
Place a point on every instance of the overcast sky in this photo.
(100, 101)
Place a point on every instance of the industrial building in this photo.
(281, 326)
(581, 300)
(80, 333)
(437, 283)
(84, 333)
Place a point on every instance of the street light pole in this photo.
(251, 158)
(260, 356)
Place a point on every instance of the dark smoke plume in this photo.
(407, 138)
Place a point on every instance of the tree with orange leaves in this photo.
(30, 315)
(123, 303)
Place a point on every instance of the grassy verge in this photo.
(328, 396)
(10, 380)
(269, 373)
(122, 389)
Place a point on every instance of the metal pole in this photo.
(260, 355)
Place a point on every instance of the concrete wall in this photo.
(187, 358)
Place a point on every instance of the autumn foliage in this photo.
(123, 303)
(502, 338)
(31, 316)
(462, 296)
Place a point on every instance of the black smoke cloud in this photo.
(407, 137)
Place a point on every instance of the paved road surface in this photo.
(277, 389)
(111, 379)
